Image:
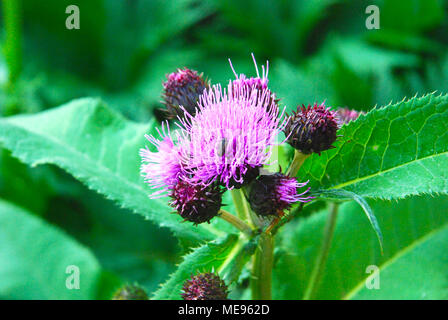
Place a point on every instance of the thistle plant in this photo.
(134, 151)
(225, 144)
(266, 200)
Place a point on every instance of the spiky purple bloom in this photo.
(196, 204)
(272, 194)
(259, 83)
(182, 88)
(255, 83)
(345, 115)
(312, 129)
(161, 169)
(231, 136)
(204, 286)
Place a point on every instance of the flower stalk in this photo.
(319, 266)
(299, 159)
(263, 262)
(240, 203)
(13, 41)
(236, 222)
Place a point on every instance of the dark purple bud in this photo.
(312, 129)
(196, 204)
(183, 88)
(204, 286)
(272, 194)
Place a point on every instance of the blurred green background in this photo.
(317, 50)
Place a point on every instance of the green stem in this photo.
(321, 260)
(296, 163)
(236, 222)
(13, 42)
(262, 268)
(240, 202)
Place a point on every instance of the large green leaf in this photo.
(417, 272)
(34, 257)
(226, 256)
(413, 265)
(99, 148)
(123, 242)
(390, 153)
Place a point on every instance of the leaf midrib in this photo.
(359, 179)
(402, 252)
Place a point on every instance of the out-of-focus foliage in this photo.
(317, 50)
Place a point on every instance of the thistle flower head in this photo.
(197, 204)
(130, 292)
(182, 88)
(312, 129)
(231, 136)
(161, 169)
(204, 286)
(345, 115)
(272, 194)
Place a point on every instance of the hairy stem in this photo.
(236, 222)
(262, 268)
(321, 260)
(241, 205)
(296, 163)
(13, 41)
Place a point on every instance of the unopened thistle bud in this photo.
(312, 129)
(130, 292)
(182, 88)
(196, 203)
(204, 286)
(345, 115)
(272, 194)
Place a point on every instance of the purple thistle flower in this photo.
(161, 169)
(272, 194)
(257, 82)
(231, 136)
(254, 83)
